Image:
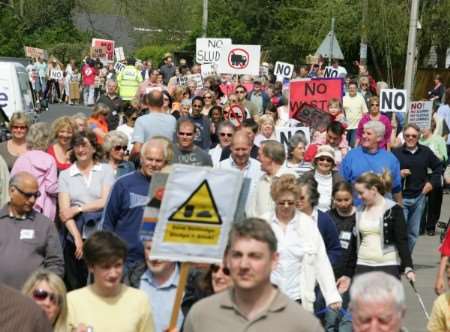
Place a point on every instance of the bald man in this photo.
(28, 239)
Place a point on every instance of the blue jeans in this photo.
(351, 137)
(413, 210)
(339, 320)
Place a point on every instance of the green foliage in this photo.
(10, 33)
(154, 52)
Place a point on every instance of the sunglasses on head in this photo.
(28, 195)
(117, 148)
(41, 295)
(215, 268)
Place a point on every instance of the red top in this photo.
(59, 166)
(445, 247)
(100, 123)
(88, 74)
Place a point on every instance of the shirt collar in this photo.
(278, 303)
(172, 282)
(234, 165)
(74, 170)
(4, 212)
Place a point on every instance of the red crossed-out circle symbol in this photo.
(237, 114)
(238, 58)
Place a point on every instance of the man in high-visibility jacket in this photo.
(128, 80)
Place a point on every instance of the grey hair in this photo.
(226, 124)
(274, 150)
(294, 141)
(377, 126)
(39, 136)
(162, 142)
(114, 138)
(377, 287)
(308, 181)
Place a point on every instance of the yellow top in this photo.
(440, 315)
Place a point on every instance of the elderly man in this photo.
(272, 157)
(124, 210)
(377, 303)
(368, 157)
(252, 303)
(114, 102)
(28, 239)
(186, 152)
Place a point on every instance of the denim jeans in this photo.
(413, 210)
(339, 320)
(351, 137)
(88, 95)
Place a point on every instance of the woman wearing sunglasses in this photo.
(210, 101)
(49, 292)
(116, 150)
(42, 166)
(303, 258)
(325, 175)
(11, 149)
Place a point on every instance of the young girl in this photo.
(343, 214)
(335, 110)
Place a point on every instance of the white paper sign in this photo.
(56, 74)
(197, 78)
(240, 59)
(196, 214)
(393, 100)
(283, 70)
(331, 72)
(209, 50)
(420, 113)
(208, 69)
(120, 54)
(284, 134)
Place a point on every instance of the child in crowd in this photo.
(335, 110)
(343, 214)
(440, 315)
(74, 87)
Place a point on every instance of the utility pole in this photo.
(364, 33)
(333, 23)
(205, 18)
(411, 51)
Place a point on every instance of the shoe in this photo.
(431, 233)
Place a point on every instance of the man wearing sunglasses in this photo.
(28, 239)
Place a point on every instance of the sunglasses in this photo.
(207, 97)
(27, 194)
(19, 127)
(226, 134)
(325, 159)
(215, 268)
(410, 135)
(374, 105)
(185, 134)
(284, 203)
(240, 91)
(117, 148)
(41, 295)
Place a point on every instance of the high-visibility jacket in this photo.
(128, 80)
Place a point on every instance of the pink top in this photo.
(43, 167)
(387, 125)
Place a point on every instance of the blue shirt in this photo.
(124, 211)
(161, 298)
(358, 161)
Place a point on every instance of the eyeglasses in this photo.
(286, 203)
(215, 268)
(185, 134)
(207, 97)
(19, 127)
(117, 148)
(374, 105)
(410, 135)
(226, 134)
(240, 91)
(28, 195)
(325, 159)
(41, 295)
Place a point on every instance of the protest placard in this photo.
(315, 92)
(237, 114)
(240, 59)
(393, 100)
(283, 70)
(420, 113)
(109, 44)
(56, 74)
(209, 50)
(98, 52)
(284, 134)
(120, 54)
(208, 69)
(119, 66)
(33, 52)
(197, 210)
(197, 78)
(331, 72)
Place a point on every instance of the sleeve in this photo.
(436, 168)
(146, 324)
(108, 178)
(364, 105)
(396, 178)
(63, 186)
(53, 254)
(346, 170)
(51, 179)
(208, 160)
(117, 201)
(4, 181)
(401, 238)
(359, 130)
(445, 246)
(330, 237)
(138, 132)
(42, 324)
(437, 318)
(388, 130)
(350, 263)
(189, 321)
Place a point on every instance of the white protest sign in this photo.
(284, 134)
(56, 74)
(208, 69)
(420, 113)
(283, 70)
(393, 100)
(196, 214)
(240, 59)
(120, 54)
(118, 67)
(197, 78)
(209, 50)
(331, 72)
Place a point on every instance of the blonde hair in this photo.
(19, 117)
(57, 285)
(283, 184)
(383, 182)
(100, 109)
(266, 119)
(64, 122)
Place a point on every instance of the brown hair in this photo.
(383, 182)
(78, 139)
(285, 183)
(104, 247)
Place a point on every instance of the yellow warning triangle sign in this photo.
(200, 207)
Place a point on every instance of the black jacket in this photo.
(394, 233)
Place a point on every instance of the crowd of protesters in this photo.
(331, 222)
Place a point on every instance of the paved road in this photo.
(426, 257)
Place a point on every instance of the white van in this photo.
(15, 90)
